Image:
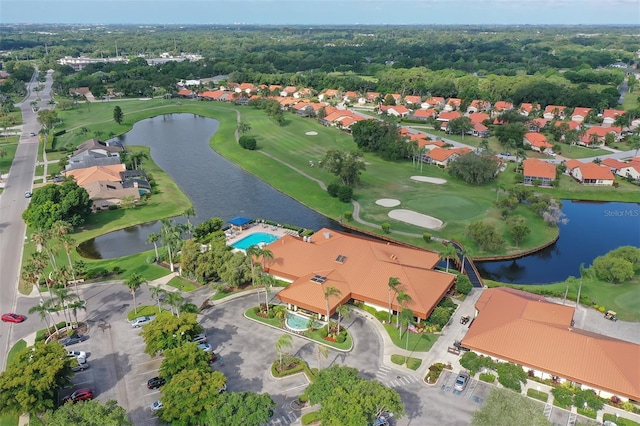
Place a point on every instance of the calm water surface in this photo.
(179, 144)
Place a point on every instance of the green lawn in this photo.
(418, 342)
(8, 153)
(631, 101)
(582, 152)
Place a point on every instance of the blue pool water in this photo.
(254, 239)
(299, 323)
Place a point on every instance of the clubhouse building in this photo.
(526, 329)
(359, 268)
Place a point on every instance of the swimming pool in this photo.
(300, 323)
(254, 239)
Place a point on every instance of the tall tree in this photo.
(68, 243)
(168, 331)
(343, 312)
(521, 410)
(330, 291)
(284, 342)
(134, 282)
(241, 408)
(448, 252)
(118, 115)
(157, 293)
(89, 413)
(346, 165)
(175, 300)
(153, 238)
(393, 285)
(402, 298)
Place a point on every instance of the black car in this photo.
(155, 382)
(72, 340)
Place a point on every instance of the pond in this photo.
(179, 144)
(593, 229)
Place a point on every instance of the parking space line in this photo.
(153, 392)
(82, 383)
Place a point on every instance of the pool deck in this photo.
(279, 231)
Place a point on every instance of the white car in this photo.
(140, 321)
(200, 338)
(81, 356)
(205, 347)
(156, 406)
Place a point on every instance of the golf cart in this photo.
(610, 315)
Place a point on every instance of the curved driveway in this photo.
(12, 204)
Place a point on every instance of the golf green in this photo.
(449, 206)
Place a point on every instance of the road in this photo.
(12, 204)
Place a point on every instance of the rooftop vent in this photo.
(341, 258)
(327, 235)
(319, 279)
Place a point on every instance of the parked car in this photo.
(73, 339)
(80, 366)
(11, 317)
(155, 382)
(200, 338)
(27, 194)
(223, 388)
(461, 382)
(140, 321)
(79, 395)
(81, 356)
(156, 406)
(32, 134)
(205, 347)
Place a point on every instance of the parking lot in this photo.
(475, 391)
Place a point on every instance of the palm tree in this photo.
(407, 316)
(393, 284)
(62, 294)
(343, 312)
(582, 274)
(75, 306)
(134, 282)
(157, 293)
(191, 211)
(175, 300)
(137, 157)
(153, 238)
(171, 236)
(463, 252)
(252, 252)
(402, 299)
(329, 292)
(447, 253)
(634, 143)
(321, 350)
(41, 309)
(69, 243)
(41, 238)
(285, 341)
(267, 281)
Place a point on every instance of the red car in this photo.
(13, 318)
(79, 395)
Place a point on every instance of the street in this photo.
(12, 204)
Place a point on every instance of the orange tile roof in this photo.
(478, 117)
(554, 108)
(372, 96)
(363, 275)
(413, 99)
(573, 125)
(454, 101)
(400, 109)
(528, 330)
(109, 173)
(332, 93)
(448, 115)
(572, 164)
(612, 163)
(351, 94)
(539, 122)
(185, 92)
(602, 131)
(537, 139)
(582, 112)
(539, 169)
(593, 171)
(435, 100)
(441, 154)
(502, 105)
(425, 113)
(612, 113)
(425, 142)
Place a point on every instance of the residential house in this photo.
(569, 125)
(453, 104)
(631, 171)
(89, 159)
(105, 194)
(395, 110)
(477, 105)
(109, 173)
(571, 165)
(79, 91)
(329, 94)
(442, 157)
(613, 164)
(303, 93)
(537, 141)
(593, 174)
(526, 109)
(595, 135)
(308, 109)
(609, 116)
(186, 93)
(424, 114)
(372, 97)
(360, 268)
(135, 179)
(554, 112)
(246, 88)
(502, 106)
(350, 96)
(536, 171)
(213, 95)
(433, 102)
(477, 120)
(342, 119)
(580, 114)
(536, 125)
(99, 147)
(411, 101)
(527, 330)
(446, 116)
(288, 91)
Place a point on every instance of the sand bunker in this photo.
(437, 181)
(387, 202)
(311, 133)
(415, 218)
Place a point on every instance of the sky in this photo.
(322, 12)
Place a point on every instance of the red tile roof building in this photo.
(538, 141)
(528, 330)
(360, 268)
(535, 170)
